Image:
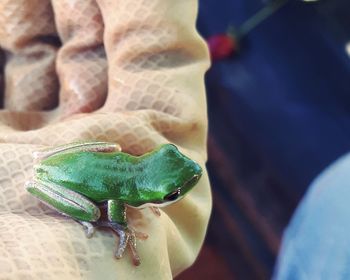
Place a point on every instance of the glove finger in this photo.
(81, 61)
(154, 62)
(28, 36)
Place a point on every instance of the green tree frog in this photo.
(79, 179)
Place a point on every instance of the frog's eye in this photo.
(172, 196)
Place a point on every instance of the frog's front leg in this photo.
(66, 202)
(88, 146)
(117, 221)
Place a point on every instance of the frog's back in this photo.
(93, 174)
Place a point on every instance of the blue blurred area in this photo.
(279, 111)
(316, 243)
(287, 93)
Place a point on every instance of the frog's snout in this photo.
(198, 170)
(196, 175)
(194, 180)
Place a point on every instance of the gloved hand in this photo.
(129, 72)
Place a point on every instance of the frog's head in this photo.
(170, 175)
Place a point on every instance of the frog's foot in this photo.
(89, 228)
(127, 238)
(155, 211)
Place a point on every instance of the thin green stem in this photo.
(260, 16)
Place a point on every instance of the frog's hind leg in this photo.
(66, 202)
(88, 146)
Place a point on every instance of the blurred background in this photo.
(279, 113)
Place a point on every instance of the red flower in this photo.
(221, 46)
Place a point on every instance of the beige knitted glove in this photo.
(125, 71)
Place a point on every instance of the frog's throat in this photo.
(150, 204)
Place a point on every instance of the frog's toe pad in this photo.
(155, 211)
(141, 235)
(89, 229)
(90, 232)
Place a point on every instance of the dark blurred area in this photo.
(279, 113)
